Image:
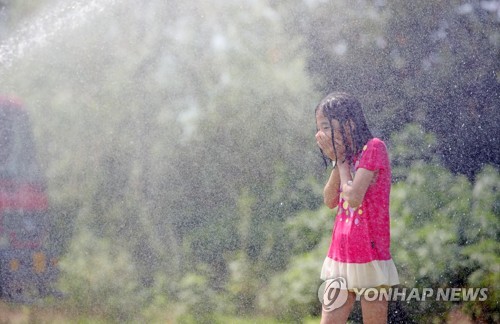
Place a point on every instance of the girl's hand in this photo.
(353, 191)
(347, 190)
(340, 148)
(324, 142)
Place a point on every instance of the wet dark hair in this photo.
(346, 109)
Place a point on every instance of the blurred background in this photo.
(175, 143)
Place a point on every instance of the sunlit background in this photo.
(176, 144)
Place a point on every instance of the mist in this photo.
(176, 143)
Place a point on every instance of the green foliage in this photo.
(159, 306)
(408, 146)
(307, 229)
(486, 205)
(100, 278)
(483, 248)
(437, 236)
(198, 299)
(293, 294)
(243, 286)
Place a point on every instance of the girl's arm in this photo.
(331, 191)
(353, 191)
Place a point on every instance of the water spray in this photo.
(52, 22)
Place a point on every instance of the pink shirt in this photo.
(362, 235)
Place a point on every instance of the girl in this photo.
(359, 185)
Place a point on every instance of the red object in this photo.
(23, 200)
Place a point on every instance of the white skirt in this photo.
(362, 275)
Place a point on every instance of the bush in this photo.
(293, 294)
(100, 278)
(197, 299)
(445, 235)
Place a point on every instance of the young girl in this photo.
(359, 185)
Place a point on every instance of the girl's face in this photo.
(324, 129)
(323, 125)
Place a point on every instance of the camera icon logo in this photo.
(332, 293)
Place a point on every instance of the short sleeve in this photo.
(374, 156)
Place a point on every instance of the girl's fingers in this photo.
(325, 143)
